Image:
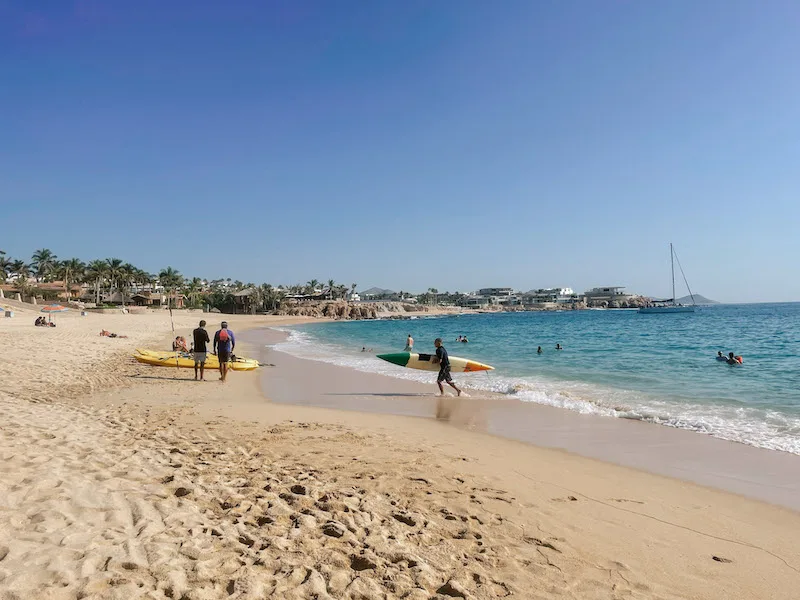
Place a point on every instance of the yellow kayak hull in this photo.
(184, 360)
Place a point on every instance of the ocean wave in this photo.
(748, 425)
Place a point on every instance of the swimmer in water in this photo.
(732, 360)
(539, 350)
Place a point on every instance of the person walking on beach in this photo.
(444, 367)
(224, 343)
(409, 344)
(200, 339)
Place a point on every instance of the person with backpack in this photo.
(224, 343)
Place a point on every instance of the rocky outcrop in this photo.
(631, 302)
(634, 302)
(342, 310)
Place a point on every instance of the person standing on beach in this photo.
(444, 367)
(409, 344)
(224, 343)
(200, 339)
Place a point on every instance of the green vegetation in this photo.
(112, 281)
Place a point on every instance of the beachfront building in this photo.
(475, 302)
(606, 296)
(550, 297)
(496, 292)
(46, 292)
(485, 297)
(245, 301)
(151, 299)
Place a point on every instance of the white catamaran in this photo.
(669, 306)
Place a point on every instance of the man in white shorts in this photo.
(201, 338)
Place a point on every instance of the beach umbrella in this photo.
(54, 308)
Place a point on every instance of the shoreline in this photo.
(762, 474)
(673, 385)
(139, 482)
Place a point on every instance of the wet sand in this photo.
(762, 474)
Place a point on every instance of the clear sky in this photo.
(409, 144)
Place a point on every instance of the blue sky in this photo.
(409, 144)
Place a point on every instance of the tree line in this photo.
(108, 276)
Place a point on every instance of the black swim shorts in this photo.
(444, 375)
(223, 355)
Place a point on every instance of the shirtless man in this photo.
(409, 344)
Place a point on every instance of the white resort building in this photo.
(611, 294)
(547, 296)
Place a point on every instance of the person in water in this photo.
(464, 339)
(443, 360)
(559, 347)
(733, 360)
(539, 350)
(409, 344)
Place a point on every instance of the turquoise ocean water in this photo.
(658, 368)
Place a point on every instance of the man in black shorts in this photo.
(444, 367)
(200, 339)
(224, 344)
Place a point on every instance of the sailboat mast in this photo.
(672, 263)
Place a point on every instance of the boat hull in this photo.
(185, 360)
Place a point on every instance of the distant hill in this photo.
(698, 299)
(376, 291)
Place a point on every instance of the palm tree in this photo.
(70, 271)
(140, 278)
(96, 274)
(171, 280)
(193, 289)
(5, 266)
(331, 284)
(353, 287)
(271, 296)
(127, 275)
(44, 263)
(20, 268)
(311, 286)
(433, 291)
(113, 273)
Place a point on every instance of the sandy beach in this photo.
(121, 480)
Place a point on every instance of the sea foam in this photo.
(754, 426)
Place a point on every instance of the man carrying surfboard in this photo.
(224, 344)
(444, 367)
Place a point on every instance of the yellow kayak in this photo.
(185, 360)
